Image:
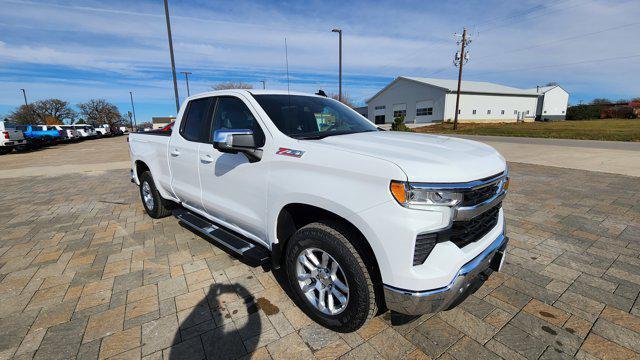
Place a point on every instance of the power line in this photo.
(520, 14)
(580, 3)
(560, 65)
(562, 40)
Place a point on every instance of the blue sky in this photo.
(77, 50)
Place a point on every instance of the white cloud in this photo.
(128, 41)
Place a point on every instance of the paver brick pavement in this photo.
(84, 273)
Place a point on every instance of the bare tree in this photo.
(23, 115)
(48, 111)
(231, 85)
(346, 99)
(600, 101)
(99, 111)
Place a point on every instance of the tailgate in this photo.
(15, 134)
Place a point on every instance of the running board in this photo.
(252, 253)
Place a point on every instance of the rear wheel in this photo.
(329, 278)
(155, 206)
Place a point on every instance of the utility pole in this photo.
(460, 58)
(339, 31)
(133, 109)
(186, 77)
(264, 86)
(173, 63)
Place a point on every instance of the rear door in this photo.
(183, 151)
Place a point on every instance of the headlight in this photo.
(413, 196)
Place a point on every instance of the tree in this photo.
(47, 111)
(98, 112)
(551, 83)
(232, 85)
(398, 124)
(583, 112)
(600, 101)
(23, 115)
(346, 99)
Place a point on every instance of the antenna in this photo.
(286, 57)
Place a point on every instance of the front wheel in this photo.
(154, 204)
(329, 278)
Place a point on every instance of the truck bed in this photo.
(154, 150)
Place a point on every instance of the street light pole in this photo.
(339, 31)
(24, 94)
(186, 77)
(133, 109)
(173, 63)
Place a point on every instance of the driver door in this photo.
(234, 190)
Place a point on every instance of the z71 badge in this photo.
(289, 152)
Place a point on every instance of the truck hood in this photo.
(425, 158)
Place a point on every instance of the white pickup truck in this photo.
(359, 219)
(10, 138)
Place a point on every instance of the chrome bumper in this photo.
(469, 278)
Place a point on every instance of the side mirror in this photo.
(237, 140)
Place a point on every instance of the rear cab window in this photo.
(196, 122)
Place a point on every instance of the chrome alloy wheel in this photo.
(147, 196)
(322, 281)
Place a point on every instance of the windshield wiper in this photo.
(312, 137)
(322, 136)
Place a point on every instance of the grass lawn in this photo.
(607, 129)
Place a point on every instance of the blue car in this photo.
(36, 136)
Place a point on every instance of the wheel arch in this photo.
(294, 216)
(140, 167)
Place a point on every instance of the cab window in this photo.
(232, 113)
(197, 122)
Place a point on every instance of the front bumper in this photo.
(468, 279)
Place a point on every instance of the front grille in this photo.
(463, 233)
(476, 196)
(424, 244)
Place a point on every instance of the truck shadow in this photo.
(215, 329)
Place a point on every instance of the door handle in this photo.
(206, 159)
(175, 152)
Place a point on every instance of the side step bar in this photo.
(252, 253)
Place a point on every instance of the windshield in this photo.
(310, 117)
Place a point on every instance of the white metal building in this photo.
(424, 100)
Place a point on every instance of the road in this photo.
(615, 157)
(86, 274)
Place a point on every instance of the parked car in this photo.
(85, 131)
(358, 218)
(10, 138)
(124, 130)
(62, 135)
(103, 130)
(72, 134)
(37, 136)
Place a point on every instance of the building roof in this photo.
(471, 86)
(481, 87)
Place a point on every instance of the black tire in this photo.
(332, 238)
(160, 207)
